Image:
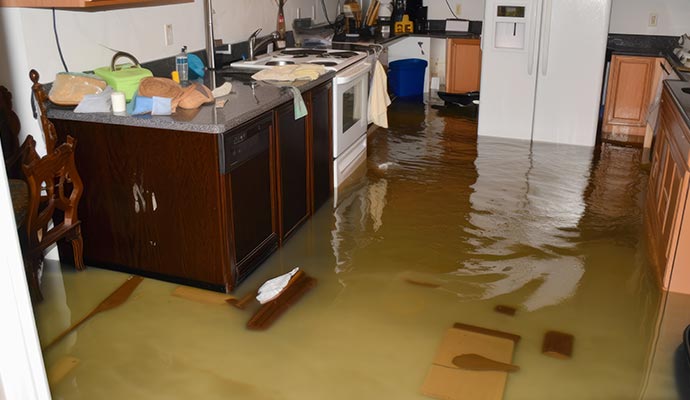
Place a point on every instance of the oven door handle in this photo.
(352, 73)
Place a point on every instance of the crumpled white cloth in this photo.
(378, 97)
(293, 72)
(273, 287)
(95, 103)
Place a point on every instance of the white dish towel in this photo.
(378, 97)
(273, 287)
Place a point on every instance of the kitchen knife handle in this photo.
(546, 36)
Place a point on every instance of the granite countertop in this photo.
(393, 38)
(647, 46)
(246, 101)
(681, 98)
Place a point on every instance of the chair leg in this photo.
(31, 267)
(78, 249)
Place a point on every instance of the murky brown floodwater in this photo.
(554, 231)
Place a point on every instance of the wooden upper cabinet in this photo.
(628, 97)
(463, 65)
(86, 3)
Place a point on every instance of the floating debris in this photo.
(558, 345)
(507, 310)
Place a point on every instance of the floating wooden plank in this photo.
(58, 371)
(486, 331)
(244, 301)
(558, 345)
(116, 298)
(201, 295)
(272, 310)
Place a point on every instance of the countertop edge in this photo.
(673, 87)
(172, 123)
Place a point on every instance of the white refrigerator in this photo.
(542, 69)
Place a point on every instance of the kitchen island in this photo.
(201, 197)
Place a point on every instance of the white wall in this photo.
(22, 375)
(632, 16)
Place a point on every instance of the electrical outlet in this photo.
(653, 17)
(458, 9)
(168, 32)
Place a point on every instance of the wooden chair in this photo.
(13, 156)
(41, 100)
(54, 192)
(42, 189)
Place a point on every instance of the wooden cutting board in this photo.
(446, 381)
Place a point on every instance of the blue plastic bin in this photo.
(406, 77)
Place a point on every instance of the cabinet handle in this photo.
(664, 68)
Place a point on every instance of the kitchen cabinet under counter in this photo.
(180, 206)
(195, 198)
(667, 215)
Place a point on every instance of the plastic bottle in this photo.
(182, 66)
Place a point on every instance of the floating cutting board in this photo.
(446, 381)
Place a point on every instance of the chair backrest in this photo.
(54, 184)
(9, 131)
(41, 98)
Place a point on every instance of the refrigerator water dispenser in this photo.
(510, 27)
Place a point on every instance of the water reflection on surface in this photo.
(554, 231)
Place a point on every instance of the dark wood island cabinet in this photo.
(173, 204)
(198, 208)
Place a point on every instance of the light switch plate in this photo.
(653, 19)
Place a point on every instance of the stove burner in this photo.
(303, 52)
(342, 54)
(325, 63)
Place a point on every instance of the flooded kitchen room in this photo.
(215, 199)
(442, 229)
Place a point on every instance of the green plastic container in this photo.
(124, 77)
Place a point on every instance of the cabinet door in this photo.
(249, 180)
(321, 146)
(463, 65)
(293, 184)
(628, 96)
(151, 203)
